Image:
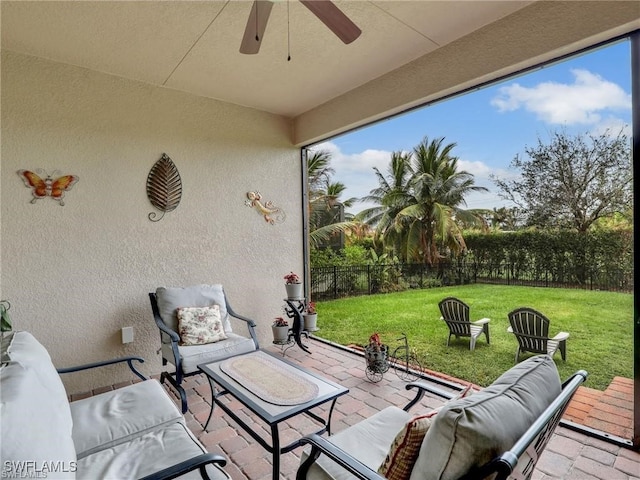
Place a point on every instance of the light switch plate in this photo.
(127, 334)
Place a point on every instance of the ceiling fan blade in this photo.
(256, 24)
(332, 17)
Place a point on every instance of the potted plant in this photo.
(293, 284)
(5, 319)
(310, 317)
(280, 329)
(376, 354)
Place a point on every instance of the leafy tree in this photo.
(572, 181)
(419, 202)
(503, 218)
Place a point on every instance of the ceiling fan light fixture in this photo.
(325, 10)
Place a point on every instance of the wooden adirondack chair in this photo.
(531, 329)
(455, 313)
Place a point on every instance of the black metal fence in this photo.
(345, 281)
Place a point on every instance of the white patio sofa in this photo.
(496, 433)
(132, 432)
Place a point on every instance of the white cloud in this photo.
(479, 170)
(613, 126)
(582, 102)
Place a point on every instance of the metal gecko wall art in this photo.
(47, 187)
(268, 210)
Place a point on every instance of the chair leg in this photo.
(517, 354)
(563, 350)
(472, 344)
(485, 329)
(183, 395)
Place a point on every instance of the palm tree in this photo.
(319, 170)
(390, 197)
(424, 204)
(326, 210)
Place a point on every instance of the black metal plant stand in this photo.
(294, 310)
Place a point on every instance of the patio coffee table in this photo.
(275, 390)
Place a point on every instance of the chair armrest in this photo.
(561, 336)
(200, 462)
(322, 445)
(482, 321)
(250, 324)
(104, 363)
(422, 389)
(240, 317)
(172, 334)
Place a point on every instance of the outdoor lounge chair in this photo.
(531, 329)
(456, 315)
(186, 358)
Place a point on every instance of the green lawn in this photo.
(600, 324)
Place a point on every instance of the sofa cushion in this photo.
(194, 355)
(368, 440)
(469, 432)
(114, 417)
(147, 454)
(171, 298)
(200, 325)
(35, 428)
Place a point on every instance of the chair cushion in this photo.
(469, 432)
(200, 325)
(171, 298)
(194, 355)
(114, 417)
(368, 440)
(35, 420)
(147, 454)
(405, 447)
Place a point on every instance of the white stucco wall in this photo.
(76, 274)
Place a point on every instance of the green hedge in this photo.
(586, 256)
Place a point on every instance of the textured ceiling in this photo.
(194, 46)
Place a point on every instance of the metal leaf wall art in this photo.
(164, 187)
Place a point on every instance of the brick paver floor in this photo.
(570, 455)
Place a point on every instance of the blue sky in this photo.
(587, 93)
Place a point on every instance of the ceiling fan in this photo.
(325, 10)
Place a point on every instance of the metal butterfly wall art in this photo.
(47, 187)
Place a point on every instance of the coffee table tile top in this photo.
(274, 382)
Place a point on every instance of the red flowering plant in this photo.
(374, 342)
(280, 322)
(311, 308)
(291, 277)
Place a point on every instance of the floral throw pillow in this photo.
(405, 448)
(200, 325)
